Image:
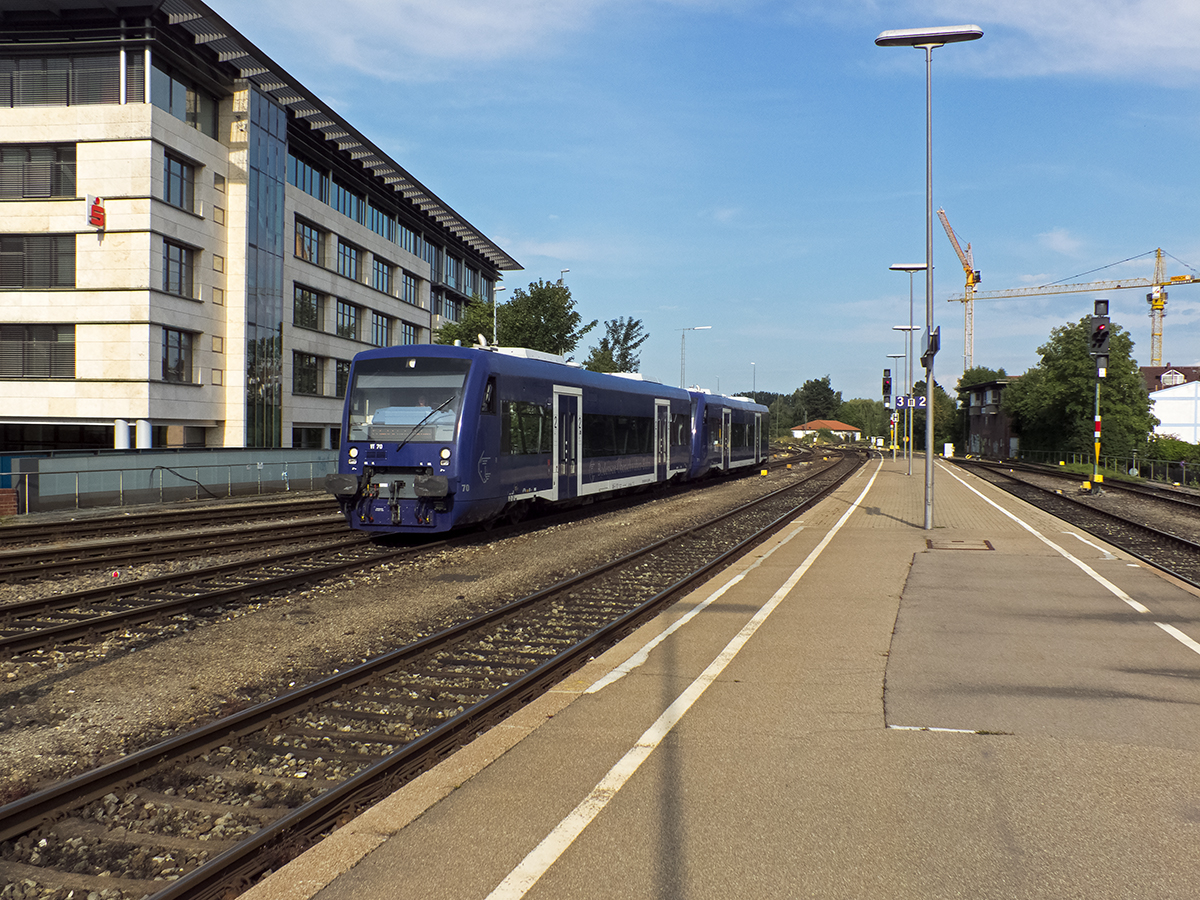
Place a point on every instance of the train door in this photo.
(726, 430)
(662, 439)
(568, 428)
(758, 455)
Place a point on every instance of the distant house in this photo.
(1159, 378)
(839, 429)
(989, 431)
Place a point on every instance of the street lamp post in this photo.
(495, 320)
(753, 381)
(561, 273)
(910, 268)
(683, 350)
(894, 356)
(928, 39)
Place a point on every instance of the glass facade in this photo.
(267, 136)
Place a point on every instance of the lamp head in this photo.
(929, 37)
(907, 267)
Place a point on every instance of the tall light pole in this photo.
(561, 273)
(928, 39)
(894, 356)
(495, 320)
(683, 350)
(910, 268)
(753, 380)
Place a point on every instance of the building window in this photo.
(310, 179)
(179, 183)
(308, 308)
(347, 261)
(408, 333)
(37, 261)
(309, 242)
(343, 376)
(408, 239)
(306, 374)
(451, 273)
(37, 351)
(307, 438)
(178, 262)
(177, 356)
(381, 330)
(381, 275)
(347, 320)
(408, 289)
(37, 172)
(60, 80)
(347, 202)
(185, 102)
(380, 222)
(446, 307)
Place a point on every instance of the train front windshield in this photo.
(406, 399)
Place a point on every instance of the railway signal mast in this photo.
(1157, 298)
(968, 298)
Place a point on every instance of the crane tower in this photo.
(968, 298)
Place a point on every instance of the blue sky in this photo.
(757, 166)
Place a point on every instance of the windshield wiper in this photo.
(417, 427)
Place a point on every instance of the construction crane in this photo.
(968, 298)
(1157, 298)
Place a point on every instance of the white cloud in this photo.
(416, 39)
(1143, 40)
(1060, 241)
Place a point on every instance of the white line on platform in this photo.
(1080, 537)
(544, 855)
(1112, 588)
(642, 655)
(931, 728)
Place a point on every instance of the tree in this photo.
(476, 320)
(543, 318)
(819, 399)
(1053, 404)
(617, 351)
(869, 416)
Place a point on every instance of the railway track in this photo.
(1159, 492)
(318, 548)
(24, 532)
(30, 563)
(205, 813)
(1172, 553)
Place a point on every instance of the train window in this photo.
(406, 399)
(489, 396)
(680, 426)
(617, 435)
(737, 435)
(525, 428)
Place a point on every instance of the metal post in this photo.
(929, 284)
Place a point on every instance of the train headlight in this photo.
(354, 453)
(445, 454)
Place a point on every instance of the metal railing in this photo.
(55, 483)
(1167, 471)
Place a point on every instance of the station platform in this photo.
(996, 708)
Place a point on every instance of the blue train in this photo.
(436, 437)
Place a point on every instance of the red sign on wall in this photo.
(95, 212)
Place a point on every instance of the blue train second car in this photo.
(437, 437)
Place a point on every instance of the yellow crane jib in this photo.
(968, 298)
